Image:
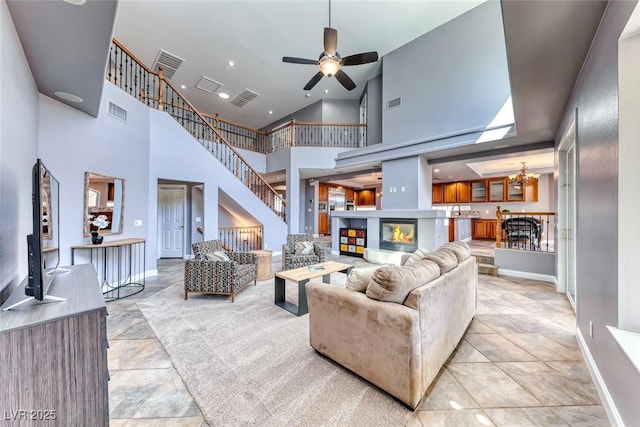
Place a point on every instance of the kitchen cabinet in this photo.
(366, 197)
(483, 229)
(323, 192)
(478, 190)
(349, 193)
(497, 187)
(437, 193)
(456, 192)
(323, 223)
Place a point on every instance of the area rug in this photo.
(250, 363)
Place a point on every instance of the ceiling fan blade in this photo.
(360, 58)
(330, 41)
(345, 80)
(314, 81)
(299, 60)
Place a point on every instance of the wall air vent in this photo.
(246, 96)
(117, 112)
(168, 62)
(208, 85)
(395, 102)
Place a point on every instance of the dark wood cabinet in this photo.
(483, 229)
(323, 192)
(323, 223)
(437, 193)
(366, 197)
(349, 193)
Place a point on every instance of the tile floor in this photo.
(518, 365)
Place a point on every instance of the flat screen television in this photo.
(43, 255)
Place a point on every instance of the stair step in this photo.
(489, 269)
(484, 259)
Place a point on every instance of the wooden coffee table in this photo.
(302, 275)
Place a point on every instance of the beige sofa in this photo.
(398, 346)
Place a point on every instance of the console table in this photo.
(120, 265)
(53, 363)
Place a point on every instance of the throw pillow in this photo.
(304, 248)
(460, 249)
(417, 256)
(394, 283)
(359, 278)
(216, 256)
(445, 259)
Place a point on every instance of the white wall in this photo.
(18, 153)
(72, 143)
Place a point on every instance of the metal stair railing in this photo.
(129, 74)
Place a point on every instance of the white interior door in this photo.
(171, 218)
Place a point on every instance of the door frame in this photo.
(566, 243)
(162, 187)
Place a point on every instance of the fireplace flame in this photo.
(399, 236)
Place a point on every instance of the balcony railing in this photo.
(152, 89)
(306, 134)
(530, 231)
(241, 239)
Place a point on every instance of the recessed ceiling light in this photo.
(436, 170)
(75, 2)
(326, 91)
(308, 95)
(68, 96)
(270, 112)
(231, 64)
(223, 95)
(449, 177)
(183, 86)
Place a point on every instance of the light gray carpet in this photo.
(250, 363)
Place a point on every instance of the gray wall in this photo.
(18, 153)
(595, 97)
(311, 113)
(340, 111)
(374, 110)
(461, 74)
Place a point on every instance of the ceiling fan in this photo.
(330, 62)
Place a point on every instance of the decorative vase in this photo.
(96, 239)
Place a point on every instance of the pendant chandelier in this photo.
(522, 177)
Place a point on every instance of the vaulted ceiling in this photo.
(66, 46)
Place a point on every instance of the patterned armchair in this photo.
(204, 275)
(289, 258)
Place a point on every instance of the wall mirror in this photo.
(103, 195)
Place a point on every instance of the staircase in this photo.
(486, 264)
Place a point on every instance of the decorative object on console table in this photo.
(96, 224)
(353, 242)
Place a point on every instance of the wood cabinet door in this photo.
(348, 193)
(323, 227)
(462, 192)
(531, 192)
(437, 193)
(515, 193)
(491, 225)
(323, 192)
(479, 229)
(450, 192)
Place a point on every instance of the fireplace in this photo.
(398, 234)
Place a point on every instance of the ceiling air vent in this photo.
(243, 98)
(208, 85)
(168, 62)
(117, 112)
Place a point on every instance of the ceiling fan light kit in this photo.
(330, 63)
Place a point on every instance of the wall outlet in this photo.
(198, 219)
(137, 223)
(590, 328)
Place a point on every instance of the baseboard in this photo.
(607, 401)
(527, 275)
